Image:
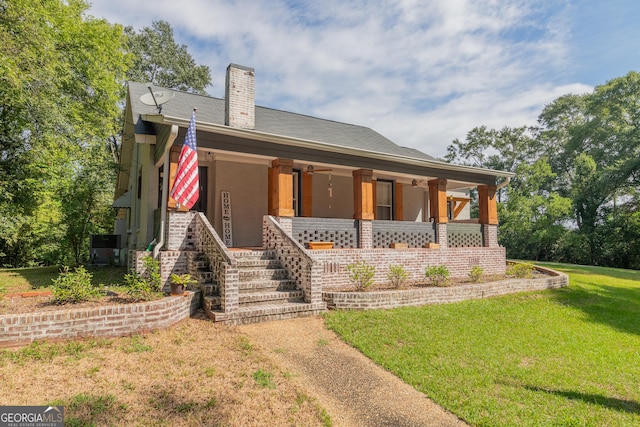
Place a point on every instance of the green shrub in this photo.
(145, 285)
(361, 274)
(521, 270)
(476, 273)
(437, 275)
(73, 287)
(397, 275)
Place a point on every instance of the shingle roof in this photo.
(268, 120)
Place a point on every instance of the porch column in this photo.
(281, 188)
(398, 214)
(363, 205)
(488, 206)
(438, 209)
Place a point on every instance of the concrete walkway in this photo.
(354, 390)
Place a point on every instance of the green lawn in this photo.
(569, 357)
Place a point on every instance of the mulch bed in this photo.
(36, 301)
(386, 286)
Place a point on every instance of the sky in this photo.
(420, 72)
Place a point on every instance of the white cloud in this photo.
(420, 72)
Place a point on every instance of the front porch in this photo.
(286, 279)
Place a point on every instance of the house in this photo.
(275, 185)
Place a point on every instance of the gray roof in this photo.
(268, 120)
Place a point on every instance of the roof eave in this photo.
(323, 146)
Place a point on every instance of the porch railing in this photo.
(415, 234)
(342, 232)
(464, 235)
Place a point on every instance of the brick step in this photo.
(211, 303)
(204, 277)
(258, 298)
(266, 312)
(210, 289)
(256, 254)
(267, 285)
(253, 298)
(257, 262)
(201, 264)
(251, 274)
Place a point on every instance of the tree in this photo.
(596, 138)
(86, 202)
(503, 149)
(61, 75)
(532, 217)
(576, 193)
(160, 60)
(531, 212)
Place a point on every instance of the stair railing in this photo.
(298, 261)
(223, 264)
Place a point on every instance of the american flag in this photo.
(186, 187)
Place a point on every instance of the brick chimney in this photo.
(240, 95)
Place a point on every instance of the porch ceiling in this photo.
(334, 169)
(223, 138)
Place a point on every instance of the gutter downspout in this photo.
(504, 183)
(165, 189)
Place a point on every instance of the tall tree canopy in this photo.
(61, 75)
(576, 194)
(160, 60)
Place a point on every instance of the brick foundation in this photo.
(180, 233)
(490, 233)
(435, 295)
(459, 261)
(442, 234)
(366, 234)
(104, 322)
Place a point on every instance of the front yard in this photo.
(194, 373)
(563, 357)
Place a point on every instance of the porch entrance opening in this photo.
(201, 204)
(297, 193)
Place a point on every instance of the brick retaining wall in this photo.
(440, 295)
(104, 322)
